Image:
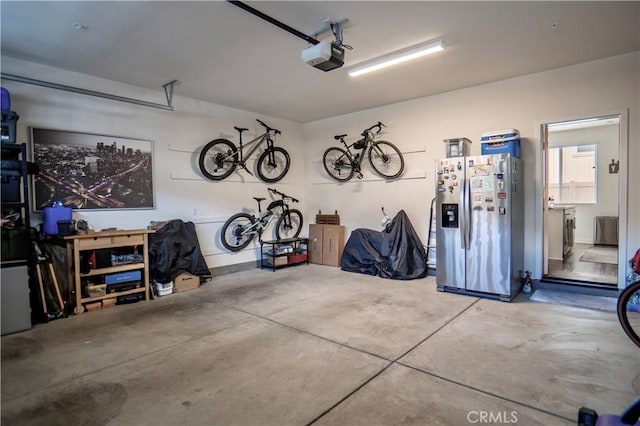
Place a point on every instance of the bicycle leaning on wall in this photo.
(220, 157)
(385, 158)
(241, 228)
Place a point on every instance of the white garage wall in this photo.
(180, 191)
(419, 126)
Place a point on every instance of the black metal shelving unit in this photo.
(279, 250)
(17, 248)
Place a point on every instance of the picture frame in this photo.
(88, 171)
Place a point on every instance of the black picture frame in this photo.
(88, 171)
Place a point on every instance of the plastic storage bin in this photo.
(458, 147)
(163, 289)
(8, 126)
(509, 147)
(500, 135)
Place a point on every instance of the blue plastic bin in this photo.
(509, 147)
(51, 216)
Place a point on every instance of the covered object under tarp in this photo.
(174, 249)
(396, 253)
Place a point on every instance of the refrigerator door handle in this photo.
(467, 204)
(467, 214)
(461, 215)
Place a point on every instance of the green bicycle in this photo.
(385, 158)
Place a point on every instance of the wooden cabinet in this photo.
(137, 239)
(326, 243)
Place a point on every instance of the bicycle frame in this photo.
(356, 160)
(258, 141)
(259, 226)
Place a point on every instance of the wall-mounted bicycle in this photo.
(385, 158)
(220, 157)
(241, 228)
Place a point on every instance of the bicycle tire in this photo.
(386, 159)
(274, 170)
(233, 234)
(338, 164)
(292, 230)
(623, 312)
(218, 159)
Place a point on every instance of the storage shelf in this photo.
(14, 262)
(295, 243)
(106, 240)
(112, 295)
(113, 269)
(13, 205)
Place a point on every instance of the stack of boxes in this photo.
(501, 142)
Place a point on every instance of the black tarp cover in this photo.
(396, 253)
(174, 249)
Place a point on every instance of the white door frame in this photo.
(623, 176)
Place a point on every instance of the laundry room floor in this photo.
(312, 344)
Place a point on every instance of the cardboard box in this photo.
(185, 282)
(93, 306)
(108, 303)
(277, 260)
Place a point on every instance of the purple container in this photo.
(51, 215)
(6, 99)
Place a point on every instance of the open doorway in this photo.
(581, 201)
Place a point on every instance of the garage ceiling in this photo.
(223, 54)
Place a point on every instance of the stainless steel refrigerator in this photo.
(480, 225)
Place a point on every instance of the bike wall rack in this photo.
(168, 91)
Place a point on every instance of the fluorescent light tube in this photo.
(395, 58)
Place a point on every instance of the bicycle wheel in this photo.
(237, 231)
(289, 225)
(273, 164)
(629, 311)
(338, 164)
(218, 159)
(386, 159)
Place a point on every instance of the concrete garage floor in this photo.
(313, 344)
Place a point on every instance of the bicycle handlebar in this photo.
(379, 125)
(273, 191)
(269, 129)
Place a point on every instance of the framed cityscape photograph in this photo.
(87, 171)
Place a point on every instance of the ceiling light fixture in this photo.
(396, 57)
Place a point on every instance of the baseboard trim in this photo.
(230, 269)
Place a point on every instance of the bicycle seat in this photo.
(258, 199)
(338, 137)
(240, 129)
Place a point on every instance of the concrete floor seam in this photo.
(513, 401)
(348, 395)
(391, 362)
(310, 334)
(436, 330)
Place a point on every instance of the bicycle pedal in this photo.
(359, 175)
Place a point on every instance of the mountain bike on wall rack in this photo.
(241, 228)
(220, 157)
(385, 158)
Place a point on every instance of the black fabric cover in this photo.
(396, 253)
(174, 249)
